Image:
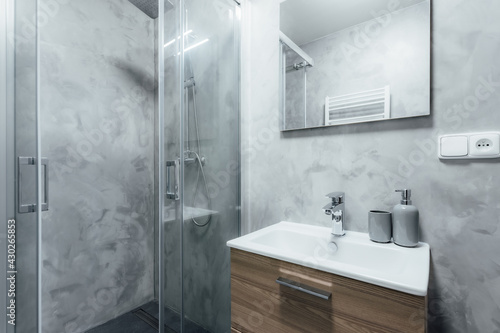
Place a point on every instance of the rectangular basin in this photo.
(353, 255)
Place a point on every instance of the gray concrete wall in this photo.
(287, 175)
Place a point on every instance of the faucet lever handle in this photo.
(337, 197)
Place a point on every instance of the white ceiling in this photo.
(306, 20)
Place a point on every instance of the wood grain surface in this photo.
(259, 304)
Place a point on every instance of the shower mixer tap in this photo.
(190, 160)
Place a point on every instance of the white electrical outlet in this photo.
(485, 145)
(469, 146)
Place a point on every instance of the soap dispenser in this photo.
(405, 221)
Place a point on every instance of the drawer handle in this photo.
(304, 288)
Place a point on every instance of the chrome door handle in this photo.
(45, 203)
(173, 193)
(31, 207)
(304, 288)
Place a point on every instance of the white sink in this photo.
(356, 256)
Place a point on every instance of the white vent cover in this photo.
(358, 107)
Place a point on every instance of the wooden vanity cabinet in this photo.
(260, 304)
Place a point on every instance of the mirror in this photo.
(344, 62)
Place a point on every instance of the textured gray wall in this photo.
(97, 129)
(287, 175)
(391, 50)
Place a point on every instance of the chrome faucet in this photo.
(336, 209)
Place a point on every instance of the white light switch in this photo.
(454, 146)
(470, 146)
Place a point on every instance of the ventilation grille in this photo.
(358, 107)
(150, 7)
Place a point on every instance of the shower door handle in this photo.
(173, 193)
(31, 207)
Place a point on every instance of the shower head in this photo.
(150, 7)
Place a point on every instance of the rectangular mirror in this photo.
(344, 62)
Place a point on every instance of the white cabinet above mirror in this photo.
(354, 61)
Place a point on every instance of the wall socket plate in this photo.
(469, 146)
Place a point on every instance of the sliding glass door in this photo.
(211, 154)
(170, 155)
(25, 163)
(203, 165)
(18, 168)
(97, 105)
(123, 163)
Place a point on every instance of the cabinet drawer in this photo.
(259, 304)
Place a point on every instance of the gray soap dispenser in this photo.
(405, 221)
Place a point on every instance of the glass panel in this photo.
(25, 136)
(4, 216)
(142, 180)
(9, 217)
(294, 82)
(211, 161)
(97, 129)
(170, 261)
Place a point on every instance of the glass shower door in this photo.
(130, 126)
(24, 163)
(211, 161)
(98, 102)
(170, 177)
(201, 147)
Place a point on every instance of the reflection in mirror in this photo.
(346, 62)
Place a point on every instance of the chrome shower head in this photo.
(150, 7)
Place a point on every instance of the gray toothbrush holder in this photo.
(380, 226)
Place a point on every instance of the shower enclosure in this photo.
(123, 163)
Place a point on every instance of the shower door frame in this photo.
(8, 178)
(162, 158)
(5, 79)
(160, 127)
